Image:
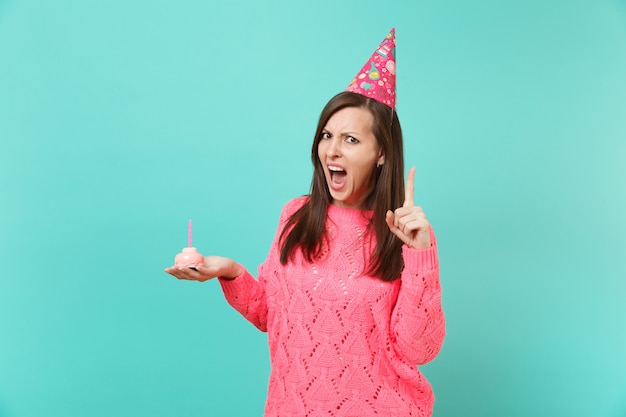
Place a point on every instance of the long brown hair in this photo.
(305, 229)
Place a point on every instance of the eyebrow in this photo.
(344, 134)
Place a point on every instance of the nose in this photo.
(333, 147)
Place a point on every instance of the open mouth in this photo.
(337, 176)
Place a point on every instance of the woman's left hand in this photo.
(409, 222)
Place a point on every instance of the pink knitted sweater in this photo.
(343, 343)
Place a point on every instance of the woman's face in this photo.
(349, 153)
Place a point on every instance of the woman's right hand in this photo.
(214, 266)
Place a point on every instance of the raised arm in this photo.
(417, 322)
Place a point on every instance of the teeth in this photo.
(336, 169)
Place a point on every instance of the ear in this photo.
(381, 159)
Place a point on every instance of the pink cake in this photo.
(189, 257)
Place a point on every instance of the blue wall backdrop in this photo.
(121, 120)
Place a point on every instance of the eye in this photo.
(325, 135)
(352, 139)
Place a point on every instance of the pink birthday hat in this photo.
(377, 78)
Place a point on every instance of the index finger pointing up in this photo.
(409, 189)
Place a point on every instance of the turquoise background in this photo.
(121, 120)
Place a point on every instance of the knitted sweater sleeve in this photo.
(417, 321)
(246, 294)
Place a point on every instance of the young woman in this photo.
(349, 293)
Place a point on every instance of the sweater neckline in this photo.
(344, 214)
